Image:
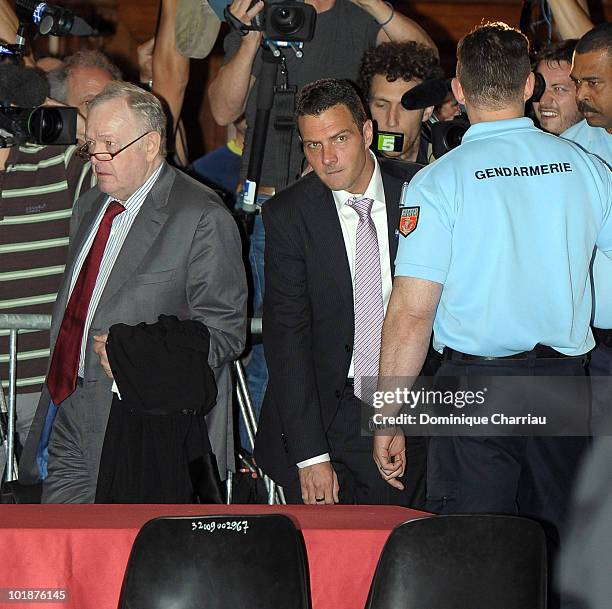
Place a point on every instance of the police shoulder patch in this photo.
(409, 218)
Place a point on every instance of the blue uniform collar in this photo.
(494, 128)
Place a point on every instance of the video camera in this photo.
(23, 118)
(446, 135)
(42, 125)
(280, 21)
(51, 19)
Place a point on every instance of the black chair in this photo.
(217, 562)
(467, 561)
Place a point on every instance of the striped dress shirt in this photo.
(119, 231)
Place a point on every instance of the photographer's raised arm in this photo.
(395, 26)
(8, 27)
(8, 22)
(170, 71)
(170, 68)
(229, 90)
(571, 17)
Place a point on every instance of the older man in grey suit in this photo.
(147, 241)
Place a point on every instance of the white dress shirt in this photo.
(119, 231)
(349, 219)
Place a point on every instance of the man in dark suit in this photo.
(331, 241)
(147, 241)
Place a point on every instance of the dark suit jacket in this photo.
(308, 317)
(181, 257)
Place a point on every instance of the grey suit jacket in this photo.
(181, 257)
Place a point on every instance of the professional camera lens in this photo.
(287, 20)
(46, 124)
(446, 135)
(454, 135)
(539, 88)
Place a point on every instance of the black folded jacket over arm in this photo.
(156, 447)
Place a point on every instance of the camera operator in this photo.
(448, 109)
(556, 110)
(387, 72)
(492, 267)
(343, 31)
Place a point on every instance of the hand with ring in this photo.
(319, 484)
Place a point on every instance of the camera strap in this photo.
(234, 22)
(284, 122)
(284, 104)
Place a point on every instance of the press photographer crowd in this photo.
(394, 225)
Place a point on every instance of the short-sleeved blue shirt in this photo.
(593, 139)
(507, 222)
(598, 141)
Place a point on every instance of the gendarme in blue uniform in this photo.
(507, 222)
(593, 139)
(598, 141)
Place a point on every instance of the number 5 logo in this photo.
(386, 143)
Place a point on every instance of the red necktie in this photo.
(62, 376)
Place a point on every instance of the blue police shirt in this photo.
(507, 222)
(598, 141)
(593, 139)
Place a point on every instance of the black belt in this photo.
(538, 352)
(603, 336)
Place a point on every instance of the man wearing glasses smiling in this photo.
(148, 240)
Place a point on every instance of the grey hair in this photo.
(58, 78)
(145, 106)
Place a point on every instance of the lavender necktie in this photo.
(369, 309)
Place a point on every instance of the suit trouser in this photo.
(351, 457)
(75, 447)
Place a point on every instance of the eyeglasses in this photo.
(84, 153)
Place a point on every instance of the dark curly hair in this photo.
(406, 60)
(556, 52)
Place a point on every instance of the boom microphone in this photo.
(21, 86)
(428, 93)
(53, 19)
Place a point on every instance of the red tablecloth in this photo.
(84, 548)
